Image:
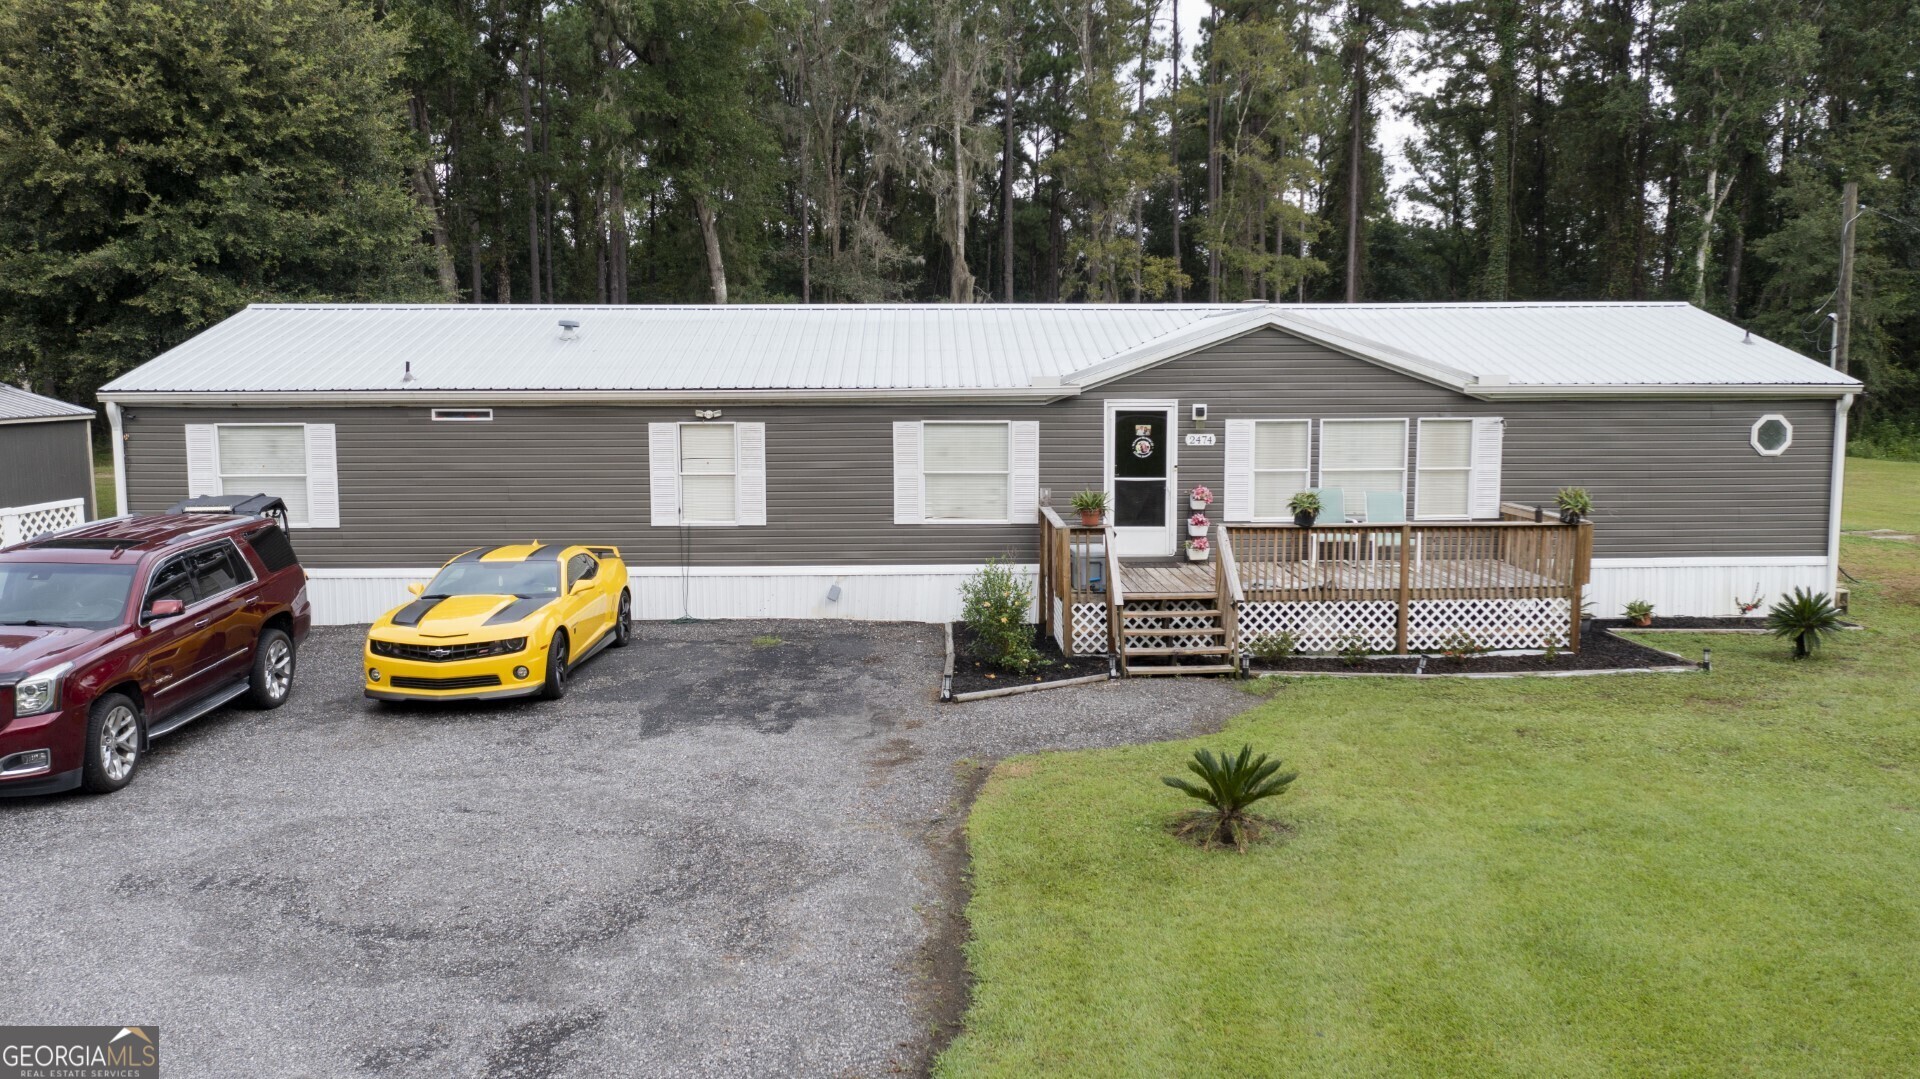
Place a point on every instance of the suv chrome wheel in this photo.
(119, 743)
(279, 667)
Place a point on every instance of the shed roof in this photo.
(908, 350)
(17, 404)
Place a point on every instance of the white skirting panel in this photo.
(1701, 587)
(872, 593)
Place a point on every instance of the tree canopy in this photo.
(161, 164)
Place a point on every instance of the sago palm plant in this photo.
(1228, 785)
(1804, 618)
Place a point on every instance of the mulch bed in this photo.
(1599, 651)
(971, 673)
(1660, 621)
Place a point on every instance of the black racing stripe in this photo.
(534, 550)
(518, 609)
(471, 556)
(412, 613)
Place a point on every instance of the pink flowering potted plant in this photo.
(1197, 525)
(1197, 549)
(1200, 499)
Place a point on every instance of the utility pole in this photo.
(1843, 326)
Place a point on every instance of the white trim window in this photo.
(1282, 466)
(1358, 456)
(294, 462)
(1771, 435)
(966, 472)
(707, 474)
(1443, 485)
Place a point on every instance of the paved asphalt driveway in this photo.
(713, 858)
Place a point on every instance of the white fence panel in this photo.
(25, 522)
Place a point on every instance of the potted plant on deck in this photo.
(1092, 506)
(1197, 549)
(1574, 504)
(1305, 507)
(1200, 499)
(1197, 525)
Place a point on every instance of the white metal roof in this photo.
(1032, 350)
(18, 404)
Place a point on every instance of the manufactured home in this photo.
(861, 461)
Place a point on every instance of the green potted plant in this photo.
(1092, 506)
(1305, 507)
(1574, 503)
(1229, 784)
(1640, 613)
(1803, 618)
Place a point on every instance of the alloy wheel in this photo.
(119, 743)
(279, 667)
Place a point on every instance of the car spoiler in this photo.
(604, 552)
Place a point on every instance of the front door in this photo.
(1141, 474)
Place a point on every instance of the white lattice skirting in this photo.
(1498, 625)
(1321, 627)
(1089, 629)
(25, 522)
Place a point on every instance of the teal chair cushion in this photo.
(1386, 507)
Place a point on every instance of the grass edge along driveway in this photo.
(1704, 874)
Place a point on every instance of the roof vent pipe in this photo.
(407, 374)
(567, 328)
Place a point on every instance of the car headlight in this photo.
(38, 693)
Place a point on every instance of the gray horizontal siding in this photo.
(1668, 477)
(46, 462)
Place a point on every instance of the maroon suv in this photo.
(115, 633)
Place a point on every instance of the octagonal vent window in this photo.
(1771, 436)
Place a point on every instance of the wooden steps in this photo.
(1176, 632)
(1219, 668)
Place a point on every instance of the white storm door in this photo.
(1142, 474)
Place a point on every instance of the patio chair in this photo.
(1333, 510)
(1389, 507)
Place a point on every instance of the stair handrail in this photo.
(1226, 585)
(1116, 594)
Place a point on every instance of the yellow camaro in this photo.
(501, 622)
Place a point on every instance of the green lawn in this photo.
(105, 501)
(1881, 494)
(1633, 875)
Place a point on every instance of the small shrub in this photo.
(994, 605)
(1274, 647)
(1305, 502)
(1460, 645)
(1804, 618)
(1228, 785)
(1640, 611)
(1353, 649)
(1888, 440)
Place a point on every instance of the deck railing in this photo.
(18, 523)
(1509, 584)
(1079, 585)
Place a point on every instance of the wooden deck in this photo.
(1163, 580)
(1483, 574)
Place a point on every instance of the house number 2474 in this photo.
(1199, 438)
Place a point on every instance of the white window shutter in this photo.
(1484, 494)
(750, 473)
(907, 500)
(663, 472)
(203, 460)
(323, 479)
(1239, 494)
(1023, 492)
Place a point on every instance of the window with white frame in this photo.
(1359, 456)
(966, 470)
(260, 458)
(1444, 483)
(1282, 465)
(708, 474)
(1771, 435)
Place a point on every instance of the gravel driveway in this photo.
(713, 858)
